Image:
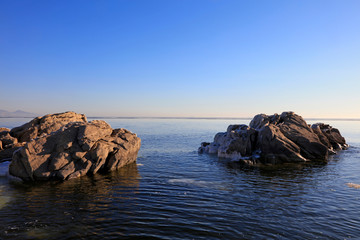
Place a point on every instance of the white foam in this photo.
(194, 182)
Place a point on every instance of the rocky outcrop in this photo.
(45, 125)
(276, 139)
(75, 149)
(12, 140)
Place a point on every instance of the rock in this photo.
(37, 127)
(7, 140)
(4, 131)
(8, 145)
(276, 139)
(74, 150)
(45, 125)
(330, 136)
(275, 147)
(6, 154)
(297, 130)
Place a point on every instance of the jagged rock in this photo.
(8, 145)
(11, 140)
(8, 139)
(74, 150)
(276, 139)
(4, 131)
(45, 125)
(7, 153)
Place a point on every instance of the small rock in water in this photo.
(284, 138)
(353, 185)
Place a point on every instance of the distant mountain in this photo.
(17, 113)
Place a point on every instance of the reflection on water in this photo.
(174, 193)
(4, 199)
(50, 209)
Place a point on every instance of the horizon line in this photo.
(206, 118)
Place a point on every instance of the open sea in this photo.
(172, 192)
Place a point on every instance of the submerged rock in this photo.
(276, 139)
(76, 149)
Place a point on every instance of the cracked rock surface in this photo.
(72, 150)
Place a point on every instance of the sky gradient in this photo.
(181, 58)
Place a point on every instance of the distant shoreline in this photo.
(207, 118)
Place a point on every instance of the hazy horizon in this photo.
(199, 59)
(167, 117)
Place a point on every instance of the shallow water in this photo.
(174, 193)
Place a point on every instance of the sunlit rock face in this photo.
(276, 139)
(12, 140)
(64, 146)
(45, 125)
(74, 150)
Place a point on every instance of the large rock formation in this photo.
(12, 140)
(76, 149)
(276, 139)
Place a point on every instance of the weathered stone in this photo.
(297, 130)
(276, 139)
(4, 131)
(35, 128)
(7, 153)
(8, 140)
(45, 125)
(74, 150)
(333, 135)
(275, 147)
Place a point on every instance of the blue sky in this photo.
(190, 58)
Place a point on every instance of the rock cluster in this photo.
(64, 146)
(276, 139)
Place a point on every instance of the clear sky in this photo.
(190, 58)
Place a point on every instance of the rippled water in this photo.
(174, 193)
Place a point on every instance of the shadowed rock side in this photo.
(276, 139)
(8, 144)
(12, 140)
(74, 150)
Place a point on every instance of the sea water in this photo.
(172, 192)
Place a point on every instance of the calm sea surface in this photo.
(174, 193)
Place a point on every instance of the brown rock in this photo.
(275, 147)
(332, 135)
(4, 131)
(6, 154)
(276, 139)
(8, 140)
(297, 130)
(37, 127)
(74, 150)
(45, 125)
